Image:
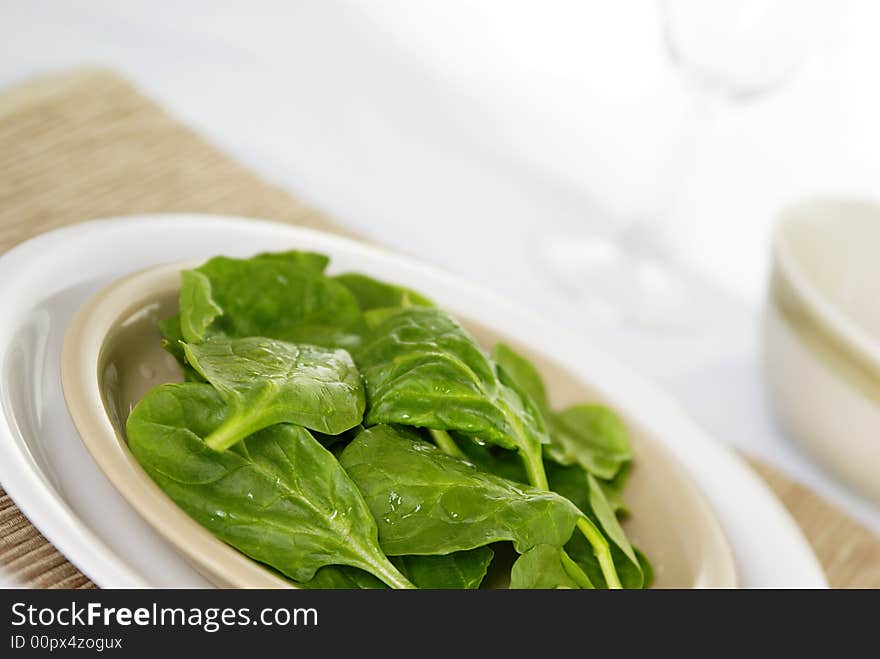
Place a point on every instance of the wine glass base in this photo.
(621, 280)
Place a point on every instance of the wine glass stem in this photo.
(654, 231)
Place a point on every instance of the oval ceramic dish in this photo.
(822, 335)
(46, 469)
(112, 357)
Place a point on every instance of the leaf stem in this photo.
(602, 551)
(533, 460)
(446, 444)
(235, 428)
(391, 575)
(534, 465)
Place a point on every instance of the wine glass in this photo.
(727, 51)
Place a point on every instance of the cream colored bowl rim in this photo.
(824, 307)
(82, 356)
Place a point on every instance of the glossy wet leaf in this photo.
(421, 368)
(375, 294)
(264, 381)
(426, 502)
(570, 482)
(282, 296)
(278, 496)
(501, 462)
(546, 566)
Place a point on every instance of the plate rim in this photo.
(52, 516)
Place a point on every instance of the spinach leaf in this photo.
(613, 489)
(493, 459)
(625, 560)
(426, 502)
(520, 371)
(281, 296)
(461, 569)
(278, 496)
(421, 368)
(311, 261)
(374, 294)
(342, 577)
(264, 381)
(589, 435)
(586, 492)
(570, 482)
(574, 484)
(197, 306)
(546, 566)
(341, 439)
(592, 436)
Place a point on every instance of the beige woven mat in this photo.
(80, 146)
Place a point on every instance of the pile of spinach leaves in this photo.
(349, 434)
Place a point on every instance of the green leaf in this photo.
(546, 566)
(521, 372)
(342, 577)
(647, 569)
(613, 489)
(572, 483)
(604, 514)
(592, 436)
(461, 569)
(264, 382)
(311, 261)
(279, 496)
(281, 296)
(374, 294)
(586, 492)
(493, 459)
(197, 307)
(341, 439)
(421, 368)
(426, 502)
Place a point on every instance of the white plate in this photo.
(47, 471)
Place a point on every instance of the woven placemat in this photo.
(85, 145)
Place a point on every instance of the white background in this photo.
(459, 131)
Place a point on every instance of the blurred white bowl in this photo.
(822, 335)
